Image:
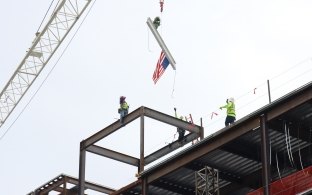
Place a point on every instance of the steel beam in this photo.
(91, 186)
(136, 114)
(113, 127)
(172, 120)
(161, 42)
(113, 155)
(59, 184)
(169, 148)
(286, 105)
(128, 187)
(52, 185)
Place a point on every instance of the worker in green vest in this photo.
(123, 109)
(230, 111)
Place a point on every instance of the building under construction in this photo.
(267, 152)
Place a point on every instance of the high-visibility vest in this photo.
(124, 106)
(230, 109)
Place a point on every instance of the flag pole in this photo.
(161, 42)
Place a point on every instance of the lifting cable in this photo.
(278, 170)
(45, 15)
(299, 151)
(287, 139)
(174, 79)
(290, 149)
(270, 152)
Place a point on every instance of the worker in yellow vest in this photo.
(123, 109)
(230, 111)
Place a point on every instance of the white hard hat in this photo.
(231, 99)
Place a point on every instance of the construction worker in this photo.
(123, 109)
(179, 130)
(230, 111)
(156, 22)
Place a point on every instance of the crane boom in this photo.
(43, 47)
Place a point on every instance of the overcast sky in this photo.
(222, 48)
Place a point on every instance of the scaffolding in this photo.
(207, 181)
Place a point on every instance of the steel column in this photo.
(82, 168)
(144, 186)
(266, 171)
(269, 91)
(202, 129)
(141, 166)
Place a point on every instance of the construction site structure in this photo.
(67, 185)
(207, 181)
(45, 44)
(268, 152)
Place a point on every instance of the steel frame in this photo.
(88, 145)
(61, 185)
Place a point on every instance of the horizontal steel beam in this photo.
(285, 106)
(54, 185)
(171, 120)
(91, 186)
(113, 155)
(51, 185)
(169, 148)
(112, 128)
(136, 114)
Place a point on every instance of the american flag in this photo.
(161, 66)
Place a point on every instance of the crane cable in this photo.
(45, 15)
(288, 144)
(299, 151)
(278, 170)
(49, 73)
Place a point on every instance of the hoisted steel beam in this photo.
(161, 42)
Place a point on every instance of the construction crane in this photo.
(43, 47)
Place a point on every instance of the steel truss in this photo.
(207, 181)
(43, 47)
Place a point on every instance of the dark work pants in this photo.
(229, 120)
(181, 134)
